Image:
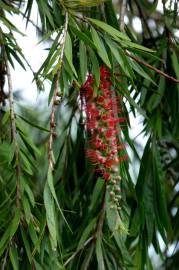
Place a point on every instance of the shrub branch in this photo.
(13, 130)
(55, 94)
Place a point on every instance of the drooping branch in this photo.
(13, 129)
(55, 94)
(152, 68)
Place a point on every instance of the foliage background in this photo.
(61, 218)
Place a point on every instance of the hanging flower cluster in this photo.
(102, 110)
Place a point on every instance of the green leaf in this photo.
(132, 101)
(13, 254)
(110, 14)
(109, 29)
(88, 257)
(33, 124)
(9, 25)
(83, 61)
(50, 213)
(42, 232)
(27, 141)
(30, 194)
(175, 63)
(120, 58)
(150, 6)
(16, 57)
(99, 253)
(100, 47)
(129, 44)
(27, 209)
(33, 228)
(8, 7)
(96, 193)
(82, 36)
(68, 53)
(5, 118)
(10, 231)
(15, 222)
(161, 193)
(26, 244)
(52, 189)
(140, 70)
(26, 164)
(86, 233)
(75, 4)
(95, 66)
(7, 152)
(155, 99)
(52, 89)
(125, 254)
(51, 53)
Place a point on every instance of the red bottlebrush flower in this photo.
(120, 119)
(104, 145)
(91, 124)
(104, 117)
(113, 152)
(104, 73)
(101, 159)
(120, 146)
(95, 113)
(111, 123)
(105, 85)
(122, 158)
(100, 99)
(89, 81)
(107, 93)
(106, 176)
(109, 163)
(109, 133)
(98, 143)
(114, 141)
(108, 105)
(90, 106)
(100, 130)
(92, 155)
(89, 91)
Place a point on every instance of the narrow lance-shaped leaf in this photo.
(83, 61)
(68, 53)
(50, 213)
(100, 47)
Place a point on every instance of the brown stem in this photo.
(144, 18)
(122, 14)
(56, 88)
(152, 68)
(13, 130)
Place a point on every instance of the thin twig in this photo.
(152, 68)
(56, 89)
(122, 14)
(144, 18)
(75, 253)
(13, 130)
(5, 260)
(98, 231)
